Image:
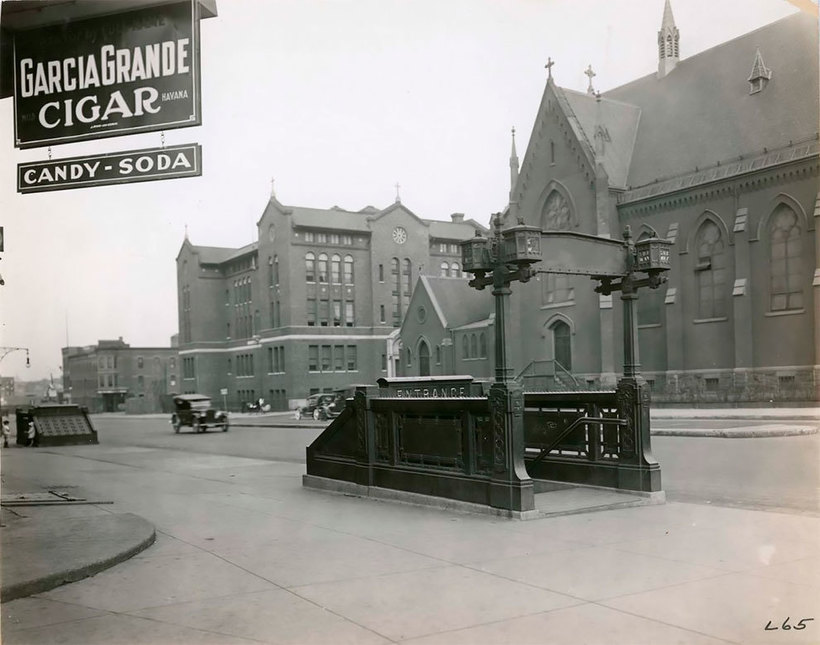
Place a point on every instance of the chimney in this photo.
(457, 218)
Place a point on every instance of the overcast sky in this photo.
(338, 101)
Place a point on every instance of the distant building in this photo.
(8, 393)
(448, 329)
(312, 306)
(112, 376)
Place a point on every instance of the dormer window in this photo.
(760, 75)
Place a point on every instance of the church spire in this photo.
(513, 166)
(668, 42)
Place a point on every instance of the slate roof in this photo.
(330, 218)
(457, 301)
(220, 254)
(343, 220)
(620, 121)
(702, 112)
(454, 230)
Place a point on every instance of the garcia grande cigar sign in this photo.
(112, 75)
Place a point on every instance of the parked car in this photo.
(196, 411)
(314, 406)
(333, 408)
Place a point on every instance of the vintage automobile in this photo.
(314, 406)
(195, 410)
(330, 409)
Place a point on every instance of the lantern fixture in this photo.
(475, 254)
(521, 245)
(652, 255)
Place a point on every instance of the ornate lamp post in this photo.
(650, 257)
(499, 261)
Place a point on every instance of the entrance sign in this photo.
(136, 71)
(430, 387)
(149, 164)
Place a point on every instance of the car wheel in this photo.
(298, 414)
(317, 414)
(225, 426)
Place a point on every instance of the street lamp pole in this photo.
(505, 258)
(5, 351)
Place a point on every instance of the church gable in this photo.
(559, 163)
(432, 319)
(397, 212)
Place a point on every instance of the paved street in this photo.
(776, 473)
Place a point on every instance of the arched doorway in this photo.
(424, 359)
(561, 344)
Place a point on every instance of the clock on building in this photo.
(399, 235)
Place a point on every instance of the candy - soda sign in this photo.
(116, 168)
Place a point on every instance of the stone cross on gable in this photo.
(588, 71)
(398, 197)
(548, 67)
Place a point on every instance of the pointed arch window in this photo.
(445, 269)
(482, 345)
(465, 346)
(669, 49)
(310, 267)
(473, 346)
(556, 214)
(562, 344)
(424, 359)
(785, 250)
(455, 270)
(322, 267)
(711, 271)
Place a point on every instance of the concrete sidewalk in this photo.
(47, 546)
(245, 554)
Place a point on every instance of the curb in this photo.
(738, 417)
(301, 426)
(733, 434)
(26, 588)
